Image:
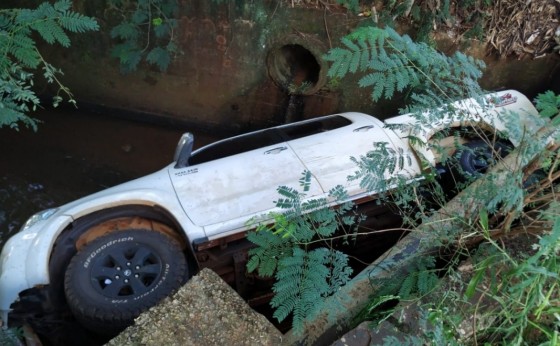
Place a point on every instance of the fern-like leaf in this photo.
(159, 57)
(23, 49)
(51, 32)
(407, 286)
(305, 180)
(303, 280)
(269, 250)
(394, 63)
(548, 105)
(304, 277)
(125, 31)
(147, 32)
(20, 54)
(340, 66)
(78, 23)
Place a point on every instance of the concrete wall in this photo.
(238, 58)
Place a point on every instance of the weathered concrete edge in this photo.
(205, 311)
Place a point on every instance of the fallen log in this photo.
(333, 320)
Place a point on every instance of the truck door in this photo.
(231, 181)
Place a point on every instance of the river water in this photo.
(73, 154)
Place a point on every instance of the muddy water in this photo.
(74, 154)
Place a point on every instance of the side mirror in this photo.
(183, 150)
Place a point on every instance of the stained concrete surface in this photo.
(206, 311)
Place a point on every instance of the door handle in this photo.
(275, 150)
(364, 128)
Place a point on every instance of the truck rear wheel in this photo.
(478, 156)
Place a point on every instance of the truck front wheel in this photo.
(111, 280)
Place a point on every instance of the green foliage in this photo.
(438, 329)
(390, 64)
(377, 171)
(352, 5)
(528, 292)
(298, 250)
(393, 63)
(422, 279)
(434, 329)
(523, 288)
(147, 32)
(270, 247)
(304, 279)
(548, 105)
(11, 337)
(19, 56)
(16, 98)
(510, 197)
(425, 16)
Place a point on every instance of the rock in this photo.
(205, 311)
(369, 333)
(360, 336)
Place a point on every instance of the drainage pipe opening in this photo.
(295, 69)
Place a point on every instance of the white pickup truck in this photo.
(113, 254)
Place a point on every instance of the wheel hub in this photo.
(126, 271)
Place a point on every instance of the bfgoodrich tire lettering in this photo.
(115, 277)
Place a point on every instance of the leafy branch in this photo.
(390, 64)
(19, 55)
(147, 32)
(548, 105)
(290, 250)
(393, 63)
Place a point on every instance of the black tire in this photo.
(111, 280)
(478, 156)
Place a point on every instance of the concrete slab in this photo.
(205, 311)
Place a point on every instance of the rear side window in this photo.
(234, 146)
(313, 127)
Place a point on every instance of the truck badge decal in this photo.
(503, 100)
(186, 172)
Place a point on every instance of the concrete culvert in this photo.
(296, 68)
